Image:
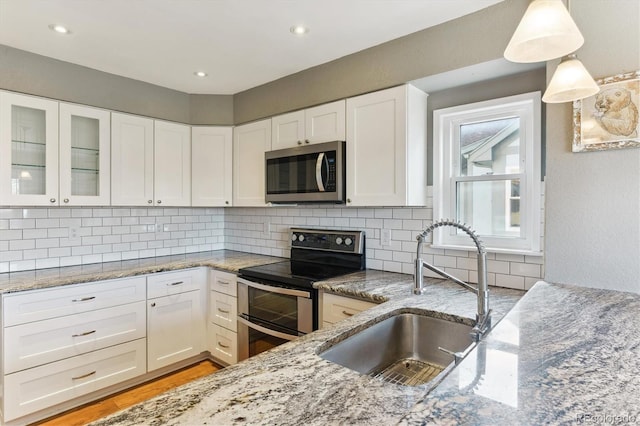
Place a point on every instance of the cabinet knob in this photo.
(159, 201)
(66, 200)
(306, 141)
(348, 200)
(299, 142)
(150, 201)
(226, 202)
(52, 200)
(153, 305)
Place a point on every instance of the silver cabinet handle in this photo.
(223, 345)
(86, 333)
(66, 200)
(349, 314)
(52, 200)
(223, 311)
(176, 283)
(84, 299)
(149, 201)
(84, 376)
(223, 282)
(159, 201)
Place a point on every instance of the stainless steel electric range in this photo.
(277, 301)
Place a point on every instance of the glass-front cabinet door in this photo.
(28, 150)
(85, 135)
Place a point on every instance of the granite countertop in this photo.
(292, 385)
(227, 260)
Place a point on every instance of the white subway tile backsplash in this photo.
(40, 237)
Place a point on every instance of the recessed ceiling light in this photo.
(299, 30)
(201, 74)
(60, 29)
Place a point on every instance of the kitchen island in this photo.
(563, 354)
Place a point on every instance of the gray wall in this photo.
(26, 72)
(472, 39)
(593, 199)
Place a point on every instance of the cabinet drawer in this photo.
(36, 343)
(36, 305)
(224, 282)
(41, 387)
(223, 310)
(336, 308)
(168, 283)
(223, 344)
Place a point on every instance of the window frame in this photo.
(446, 153)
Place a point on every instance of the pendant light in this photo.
(571, 81)
(545, 32)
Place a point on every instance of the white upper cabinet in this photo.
(211, 166)
(85, 160)
(250, 142)
(131, 160)
(323, 123)
(287, 130)
(28, 150)
(387, 148)
(172, 164)
(151, 162)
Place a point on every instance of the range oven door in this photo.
(269, 316)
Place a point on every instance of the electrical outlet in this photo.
(385, 237)
(74, 235)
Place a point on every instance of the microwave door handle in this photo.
(319, 181)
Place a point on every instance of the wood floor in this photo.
(103, 407)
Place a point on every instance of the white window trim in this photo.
(447, 121)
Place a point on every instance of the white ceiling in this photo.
(239, 43)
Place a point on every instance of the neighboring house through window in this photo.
(487, 173)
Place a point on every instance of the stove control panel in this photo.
(328, 240)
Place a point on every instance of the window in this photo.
(487, 173)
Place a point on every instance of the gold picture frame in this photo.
(609, 119)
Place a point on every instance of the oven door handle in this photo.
(274, 289)
(266, 330)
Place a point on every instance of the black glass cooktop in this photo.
(295, 273)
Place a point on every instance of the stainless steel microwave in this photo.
(306, 174)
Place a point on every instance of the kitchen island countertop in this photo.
(563, 355)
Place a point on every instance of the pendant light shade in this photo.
(570, 82)
(545, 32)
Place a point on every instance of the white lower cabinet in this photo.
(36, 343)
(337, 308)
(66, 342)
(61, 344)
(222, 337)
(223, 344)
(44, 386)
(175, 322)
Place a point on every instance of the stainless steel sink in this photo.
(403, 349)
